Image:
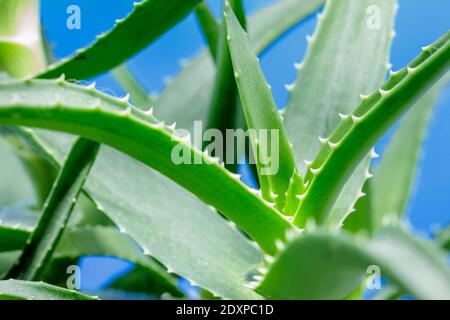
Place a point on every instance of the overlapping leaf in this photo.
(324, 265)
(347, 56)
(264, 28)
(55, 215)
(359, 131)
(26, 290)
(148, 20)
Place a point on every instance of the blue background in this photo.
(419, 22)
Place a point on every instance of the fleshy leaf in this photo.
(324, 265)
(359, 131)
(210, 26)
(261, 114)
(347, 56)
(443, 238)
(92, 241)
(56, 212)
(148, 21)
(26, 290)
(224, 108)
(394, 177)
(21, 51)
(137, 93)
(16, 185)
(145, 210)
(265, 26)
(79, 110)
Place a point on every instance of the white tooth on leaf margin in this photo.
(290, 87)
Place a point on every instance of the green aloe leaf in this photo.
(443, 238)
(129, 129)
(359, 131)
(56, 212)
(105, 241)
(391, 292)
(347, 56)
(26, 290)
(260, 113)
(137, 93)
(324, 265)
(224, 107)
(21, 51)
(397, 168)
(16, 223)
(209, 26)
(12, 237)
(268, 24)
(416, 267)
(145, 210)
(394, 177)
(183, 94)
(16, 185)
(91, 241)
(38, 170)
(148, 20)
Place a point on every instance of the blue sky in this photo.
(419, 22)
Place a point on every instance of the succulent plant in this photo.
(102, 173)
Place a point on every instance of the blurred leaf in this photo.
(183, 94)
(147, 201)
(345, 58)
(130, 85)
(395, 176)
(324, 265)
(56, 212)
(26, 290)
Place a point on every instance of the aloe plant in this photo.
(312, 229)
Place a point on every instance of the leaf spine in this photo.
(343, 116)
(298, 65)
(355, 119)
(289, 87)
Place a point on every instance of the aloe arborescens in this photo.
(315, 226)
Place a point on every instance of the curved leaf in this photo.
(443, 238)
(209, 25)
(16, 185)
(16, 223)
(347, 56)
(359, 131)
(26, 290)
(137, 93)
(105, 241)
(73, 109)
(394, 177)
(56, 212)
(269, 23)
(21, 51)
(149, 20)
(224, 107)
(323, 265)
(264, 27)
(93, 241)
(145, 210)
